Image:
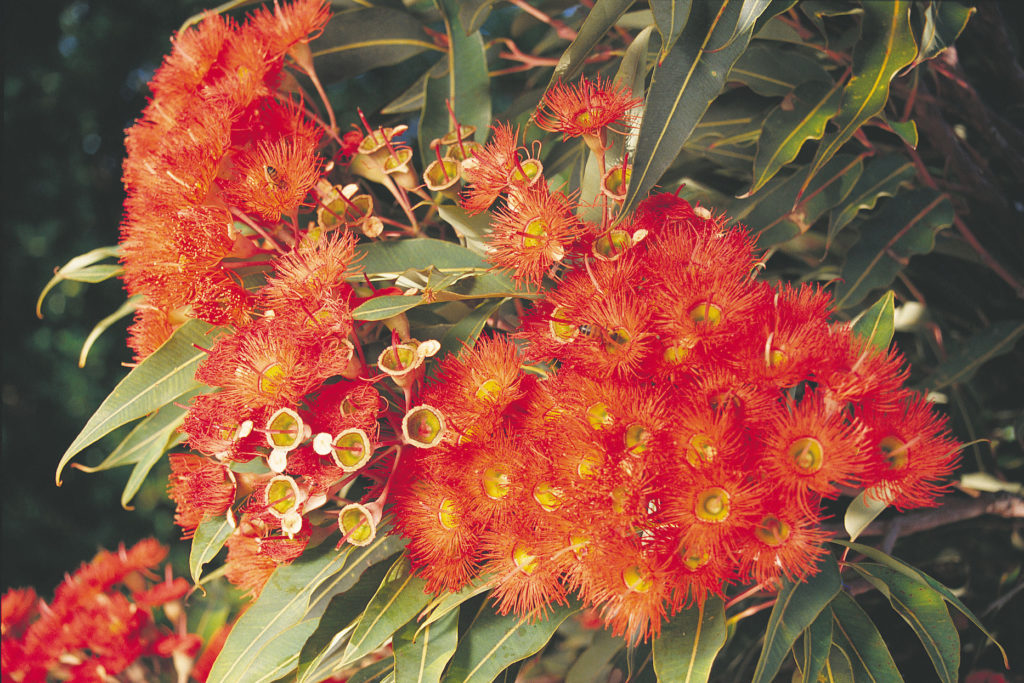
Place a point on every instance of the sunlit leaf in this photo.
(856, 634)
(796, 608)
(384, 307)
(689, 643)
(378, 672)
(422, 653)
(817, 643)
(473, 230)
(152, 452)
(388, 260)
(877, 324)
(882, 177)
(447, 602)
(983, 346)
(863, 510)
(209, 538)
(83, 268)
(357, 40)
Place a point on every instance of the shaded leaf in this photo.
(750, 11)
(469, 328)
(772, 72)
(856, 634)
(983, 346)
(882, 177)
(472, 230)
(161, 377)
(796, 608)
(151, 453)
(689, 642)
(210, 536)
(377, 672)
(473, 14)
(493, 642)
(446, 602)
(357, 40)
(594, 663)
(886, 46)
(83, 268)
(943, 22)
(670, 18)
(906, 225)
(388, 260)
(906, 130)
(926, 613)
(838, 668)
(421, 654)
(127, 308)
(599, 20)
(877, 324)
(817, 644)
(412, 99)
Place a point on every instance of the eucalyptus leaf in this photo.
(207, 541)
(772, 72)
(838, 668)
(151, 453)
(861, 511)
(358, 40)
(130, 305)
(83, 268)
(594, 663)
(599, 20)
(857, 635)
(877, 324)
(670, 18)
(817, 643)
(882, 177)
(981, 347)
(943, 22)
(422, 653)
(689, 642)
(388, 260)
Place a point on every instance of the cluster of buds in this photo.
(101, 622)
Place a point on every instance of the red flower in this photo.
(587, 108)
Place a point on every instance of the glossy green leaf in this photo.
(856, 634)
(265, 642)
(816, 10)
(817, 644)
(421, 654)
(210, 536)
(905, 226)
(838, 668)
(401, 596)
(921, 577)
(472, 230)
(749, 12)
(447, 602)
(906, 130)
(324, 649)
(473, 14)
(387, 306)
(772, 72)
(493, 642)
(689, 643)
(357, 40)
(682, 87)
(926, 613)
(594, 663)
(388, 260)
(160, 378)
(943, 22)
(796, 608)
(787, 129)
(983, 346)
(670, 17)
(412, 98)
(882, 177)
(83, 268)
(863, 510)
(153, 450)
(467, 330)
(377, 672)
(127, 308)
(877, 324)
(599, 20)
(886, 46)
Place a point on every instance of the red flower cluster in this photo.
(686, 424)
(218, 143)
(100, 621)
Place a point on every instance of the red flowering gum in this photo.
(199, 486)
(532, 233)
(274, 178)
(584, 109)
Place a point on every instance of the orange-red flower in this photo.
(587, 108)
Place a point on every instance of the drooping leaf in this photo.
(796, 608)
(886, 46)
(594, 662)
(599, 20)
(384, 307)
(447, 602)
(83, 268)
(772, 72)
(381, 671)
(905, 226)
(151, 454)
(471, 229)
(786, 130)
(838, 668)
(906, 130)
(750, 11)
(412, 98)
(982, 347)
(817, 643)
(473, 14)
(209, 538)
(357, 40)
(863, 510)
(265, 642)
(877, 324)
(943, 22)
(689, 643)
(493, 642)
(926, 613)
(421, 654)
(161, 377)
(127, 308)
(670, 18)
(856, 634)
(882, 177)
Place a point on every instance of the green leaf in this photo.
(153, 451)
(877, 324)
(82, 268)
(447, 602)
(493, 642)
(982, 347)
(210, 536)
(421, 654)
(905, 226)
(886, 46)
(863, 510)
(128, 307)
(164, 375)
(838, 668)
(817, 642)
(943, 22)
(594, 663)
(921, 577)
(265, 642)
(906, 130)
(400, 597)
(854, 632)
(388, 260)
(599, 20)
(377, 672)
(357, 40)
(387, 306)
(467, 330)
(772, 72)
(926, 613)
(412, 99)
(796, 608)
(786, 130)
(682, 87)
(689, 642)
(670, 18)
(473, 14)
(472, 230)
(882, 177)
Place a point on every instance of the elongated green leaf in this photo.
(266, 641)
(838, 668)
(817, 643)
(127, 308)
(210, 536)
(943, 22)
(151, 453)
(921, 577)
(378, 672)
(412, 99)
(876, 324)
(683, 86)
(357, 40)
(854, 632)
(982, 347)
(391, 259)
(82, 268)
(863, 510)
(749, 12)
(786, 130)
(926, 613)
(907, 130)
(163, 376)
(473, 14)
(601, 17)
(670, 18)
(384, 307)
(421, 654)
(796, 608)
(886, 46)
(469, 328)
(325, 647)
(772, 72)
(447, 602)
(472, 229)
(905, 226)
(689, 643)
(594, 663)
(493, 642)
(882, 177)
(400, 597)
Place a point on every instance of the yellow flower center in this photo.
(895, 452)
(713, 505)
(598, 416)
(271, 378)
(694, 560)
(772, 531)
(707, 313)
(700, 449)
(495, 482)
(547, 496)
(561, 330)
(526, 562)
(637, 438)
(355, 521)
(536, 228)
(637, 580)
(447, 514)
(351, 448)
(489, 390)
(807, 454)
